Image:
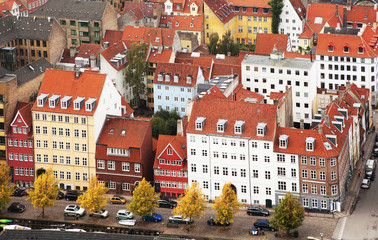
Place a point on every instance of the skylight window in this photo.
(318, 20)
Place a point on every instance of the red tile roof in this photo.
(241, 94)
(221, 9)
(113, 50)
(202, 49)
(251, 3)
(361, 14)
(139, 9)
(7, 5)
(339, 41)
(188, 3)
(150, 35)
(214, 93)
(64, 83)
(178, 144)
(183, 70)
(250, 113)
(24, 109)
(265, 43)
(85, 50)
(206, 65)
(164, 56)
(280, 96)
(183, 22)
(298, 55)
(299, 8)
(112, 36)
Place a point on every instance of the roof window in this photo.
(189, 79)
(332, 139)
(200, 123)
(65, 102)
(346, 48)
(360, 50)
(160, 76)
(41, 100)
(176, 78)
(261, 129)
(331, 47)
(90, 104)
(310, 144)
(167, 77)
(221, 125)
(78, 103)
(283, 140)
(239, 127)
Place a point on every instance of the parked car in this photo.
(370, 174)
(18, 192)
(375, 152)
(74, 209)
(71, 195)
(211, 221)
(60, 195)
(179, 219)
(101, 214)
(153, 217)
(365, 183)
(376, 137)
(124, 214)
(166, 203)
(263, 224)
(16, 207)
(257, 211)
(117, 199)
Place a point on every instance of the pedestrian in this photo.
(359, 172)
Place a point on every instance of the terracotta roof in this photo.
(129, 110)
(221, 8)
(202, 48)
(251, 113)
(112, 36)
(24, 109)
(150, 35)
(183, 70)
(361, 14)
(339, 41)
(220, 69)
(112, 51)
(214, 93)
(298, 55)
(188, 3)
(251, 3)
(241, 94)
(265, 43)
(7, 5)
(178, 144)
(160, 57)
(299, 8)
(64, 83)
(154, 144)
(206, 65)
(280, 96)
(183, 22)
(139, 9)
(85, 50)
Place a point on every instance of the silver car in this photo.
(124, 214)
(365, 183)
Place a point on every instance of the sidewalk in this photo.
(351, 195)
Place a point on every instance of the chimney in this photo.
(345, 17)
(92, 60)
(320, 129)
(77, 73)
(322, 112)
(338, 26)
(106, 45)
(275, 102)
(349, 4)
(72, 51)
(229, 54)
(375, 6)
(337, 10)
(301, 124)
(326, 121)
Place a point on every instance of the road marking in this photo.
(343, 222)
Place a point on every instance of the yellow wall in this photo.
(90, 169)
(251, 22)
(213, 24)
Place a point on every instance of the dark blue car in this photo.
(263, 224)
(153, 217)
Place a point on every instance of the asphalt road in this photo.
(312, 226)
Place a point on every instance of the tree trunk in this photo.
(43, 212)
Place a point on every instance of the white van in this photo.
(370, 165)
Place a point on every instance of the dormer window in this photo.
(157, 39)
(191, 24)
(360, 50)
(200, 123)
(239, 127)
(65, 102)
(331, 47)
(111, 131)
(78, 103)
(332, 139)
(177, 24)
(160, 76)
(167, 77)
(346, 48)
(176, 78)
(261, 129)
(90, 104)
(189, 79)
(221, 125)
(338, 125)
(53, 101)
(283, 140)
(310, 144)
(41, 100)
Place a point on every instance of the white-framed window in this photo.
(267, 174)
(10, 156)
(323, 190)
(192, 152)
(136, 167)
(61, 174)
(16, 156)
(125, 166)
(85, 176)
(304, 173)
(111, 165)
(321, 162)
(77, 176)
(169, 151)
(10, 142)
(112, 185)
(314, 189)
(281, 185)
(242, 156)
(304, 160)
(216, 186)
(84, 147)
(333, 175)
(268, 191)
(305, 202)
(323, 204)
(68, 175)
(55, 159)
(333, 162)
(61, 159)
(85, 161)
(314, 203)
(126, 186)
(313, 174)
(37, 130)
(334, 189)
(193, 167)
(322, 175)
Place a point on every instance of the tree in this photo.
(5, 189)
(289, 214)
(94, 199)
(164, 122)
(226, 205)
(144, 200)
(45, 191)
(227, 45)
(213, 43)
(276, 9)
(137, 69)
(192, 203)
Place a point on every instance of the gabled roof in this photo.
(182, 22)
(7, 5)
(139, 9)
(242, 94)
(72, 9)
(361, 14)
(178, 144)
(251, 113)
(214, 93)
(112, 51)
(163, 56)
(278, 96)
(299, 8)
(265, 43)
(183, 71)
(188, 3)
(153, 36)
(251, 3)
(339, 41)
(24, 110)
(64, 83)
(85, 50)
(221, 8)
(112, 36)
(32, 71)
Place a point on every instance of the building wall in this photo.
(210, 19)
(109, 20)
(290, 24)
(56, 43)
(247, 27)
(146, 155)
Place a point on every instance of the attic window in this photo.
(176, 78)
(221, 125)
(327, 145)
(283, 139)
(200, 123)
(78, 103)
(331, 47)
(189, 79)
(239, 127)
(338, 125)
(332, 139)
(167, 77)
(169, 151)
(65, 102)
(310, 144)
(343, 112)
(360, 50)
(340, 119)
(261, 129)
(41, 100)
(157, 39)
(346, 48)
(160, 76)
(177, 24)
(89, 104)
(191, 24)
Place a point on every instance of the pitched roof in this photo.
(361, 14)
(164, 56)
(278, 96)
(265, 43)
(214, 93)
(64, 83)
(72, 9)
(242, 94)
(25, 28)
(123, 132)
(7, 5)
(24, 108)
(299, 8)
(339, 41)
(177, 142)
(251, 113)
(182, 70)
(251, 3)
(139, 9)
(221, 9)
(188, 3)
(85, 50)
(150, 35)
(32, 70)
(182, 22)
(112, 51)
(112, 36)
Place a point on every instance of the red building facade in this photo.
(124, 153)
(20, 147)
(170, 166)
